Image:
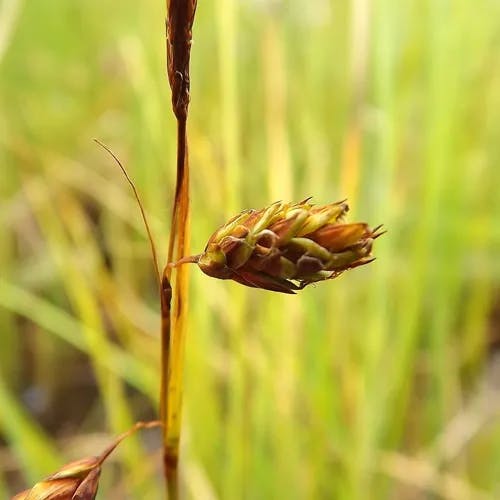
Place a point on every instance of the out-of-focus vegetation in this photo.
(380, 384)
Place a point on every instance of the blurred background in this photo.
(382, 384)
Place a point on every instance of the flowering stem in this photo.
(173, 322)
(174, 289)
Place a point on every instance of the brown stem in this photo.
(136, 427)
(180, 16)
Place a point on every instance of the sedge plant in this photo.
(282, 247)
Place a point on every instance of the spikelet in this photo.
(74, 481)
(286, 246)
(78, 480)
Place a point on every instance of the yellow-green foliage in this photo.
(374, 385)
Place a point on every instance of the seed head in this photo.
(74, 481)
(78, 480)
(287, 246)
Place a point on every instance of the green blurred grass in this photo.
(378, 385)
